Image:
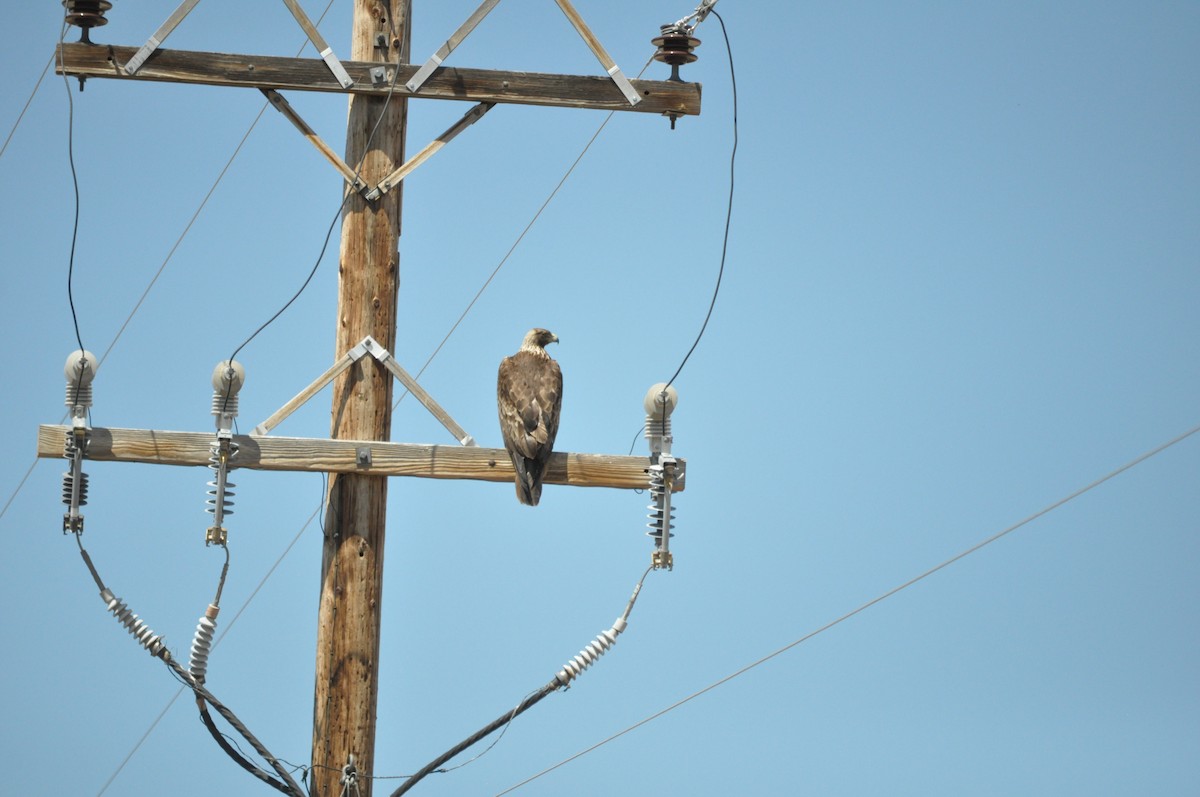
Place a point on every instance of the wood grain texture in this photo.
(446, 83)
(428, 461)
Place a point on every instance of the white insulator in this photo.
(79, 370)
(133, 624)
(202, 644)
(224, 405)
(587, 657)
(220, 489)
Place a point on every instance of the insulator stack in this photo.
(227, 379)
(588, 656)
(80, 370)
(151, 641)
(73, 496)
(85, 15)
(662, 515)
(75, 483)
(220, 492)
(224, 405)
(202, 644)
(675, 48)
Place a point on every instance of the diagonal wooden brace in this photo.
(368, 346)
(601, 54)
(284, 107)
(444, 51)
(393, 179)
(325, 51)
(160, 35)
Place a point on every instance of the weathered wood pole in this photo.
(348, 622)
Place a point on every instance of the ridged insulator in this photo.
(151, 641)
(588, 656)
(201, 646)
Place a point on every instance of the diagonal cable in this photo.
(936, 568)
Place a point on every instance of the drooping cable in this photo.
(170, 254)
(153, 644)
(228, 627)
(520, 237)
(729, 209)
(75, 186)
(957, 557)
(346, 194)
(560, 681)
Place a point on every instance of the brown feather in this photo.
(528, 398)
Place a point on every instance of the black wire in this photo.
(232, 752)
(75, 184)
(503, 719)
(341, 207)
(203, 694)
(729, 210)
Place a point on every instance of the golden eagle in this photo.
(529, 396)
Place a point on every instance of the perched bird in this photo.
(529, 396)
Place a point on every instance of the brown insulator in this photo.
(85, 15)
(675, 48)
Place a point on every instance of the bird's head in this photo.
(538, 338)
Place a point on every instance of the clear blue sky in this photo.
(963, 282)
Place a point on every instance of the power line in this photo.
(228, 627)
(978, 546)
(28, 102)
(728, 210)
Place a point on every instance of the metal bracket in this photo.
(314, 36)
(368, 345)
(444, 51)
(601, 54)
(284, 107)
(485, 8)
(393, 179)
(160, 35)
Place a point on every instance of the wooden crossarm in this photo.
(345, 456)
(447, 83)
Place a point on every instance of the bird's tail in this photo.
(529, 482)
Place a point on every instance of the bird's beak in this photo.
(554, 339)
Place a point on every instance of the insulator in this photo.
(86, 14)
(70, 497)
(658, 517)
(224, 405)
(220, 489)
(78, 395)
(133, 624)
(588, 656)
(202, 644)
(675, 48)
(74, 486)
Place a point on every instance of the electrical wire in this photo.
(75, 185)
(29, 101)
(346, 194)
(560, 681)
(729, 208)
(228, 627)
(170, 254)
(936, 568)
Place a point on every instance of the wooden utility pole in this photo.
(359, 456)
(348, 620)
